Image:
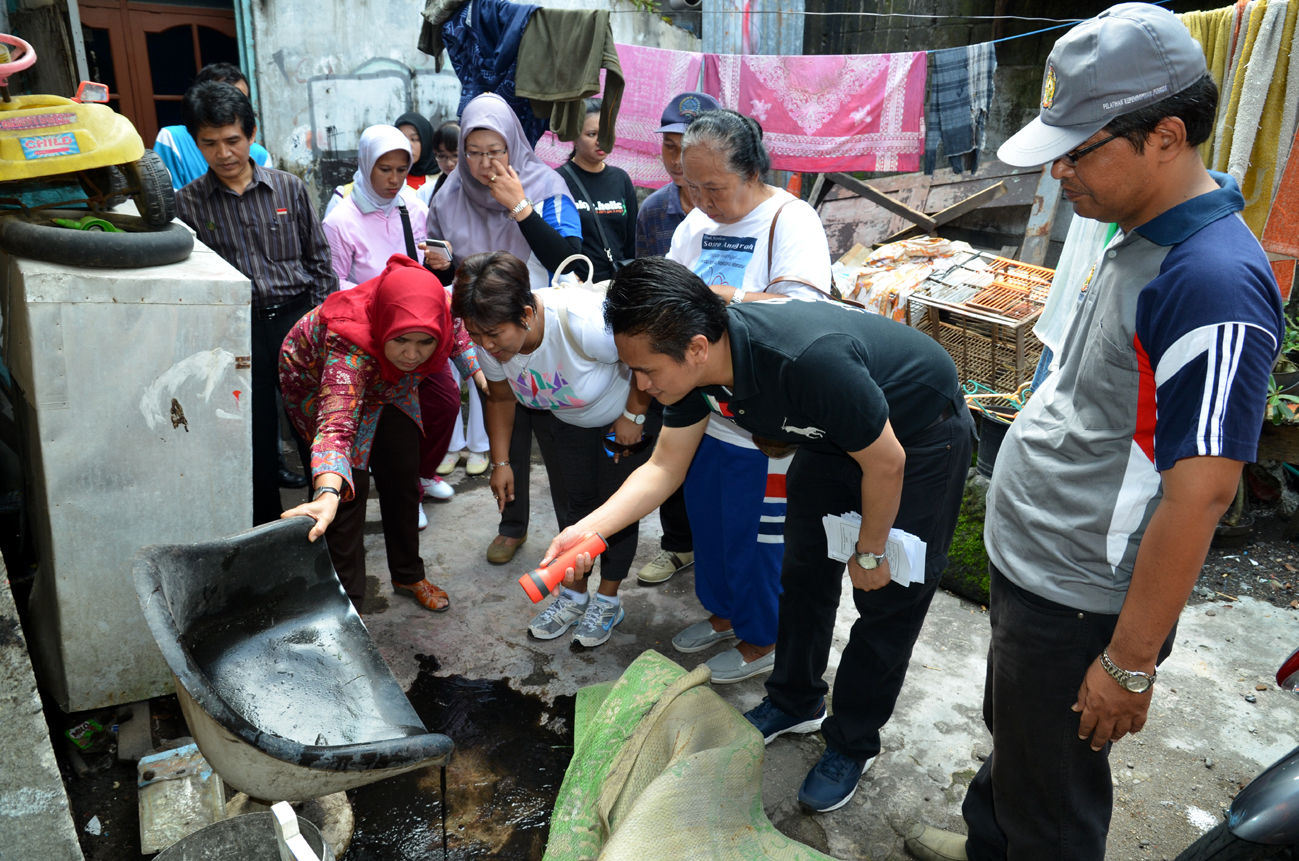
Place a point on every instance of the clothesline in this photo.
(787, 12)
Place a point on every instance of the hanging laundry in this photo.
(561, 55)
(1281, 235)
(1247, 28)
(482, 39)
(654, 76)
(1290, 112)
(828, 113)
(960, 95)
(1213, 30)
(1258, 135)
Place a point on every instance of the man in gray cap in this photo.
(1110, 482)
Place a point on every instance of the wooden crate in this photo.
(998, 352)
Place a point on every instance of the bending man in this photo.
(882, 429)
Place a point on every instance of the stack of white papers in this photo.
(905, 552)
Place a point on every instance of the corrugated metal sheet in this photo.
(753, 26)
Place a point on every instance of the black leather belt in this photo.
(273, 311)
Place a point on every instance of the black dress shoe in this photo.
(289, 478)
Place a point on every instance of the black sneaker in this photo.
(772, 722)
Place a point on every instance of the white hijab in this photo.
(376, 142)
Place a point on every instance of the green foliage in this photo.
(645, 5)
(1277, 411)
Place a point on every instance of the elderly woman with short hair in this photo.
(749, 241)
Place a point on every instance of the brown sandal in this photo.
(425, 593)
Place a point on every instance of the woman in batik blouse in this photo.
(350, 371)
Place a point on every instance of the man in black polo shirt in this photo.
(262, 223)
(882, 429)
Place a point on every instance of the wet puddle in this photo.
(511, 754)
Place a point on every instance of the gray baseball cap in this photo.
(1127, 57)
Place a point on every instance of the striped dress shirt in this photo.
(270, 233)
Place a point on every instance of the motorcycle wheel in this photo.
(1219, 844)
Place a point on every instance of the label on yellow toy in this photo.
(36, 121)
(49, 146)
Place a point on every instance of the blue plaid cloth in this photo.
(960, 93)
(657, 220)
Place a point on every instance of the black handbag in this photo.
(616, 262)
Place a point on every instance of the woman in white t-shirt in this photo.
(550, 350)
(750, 242)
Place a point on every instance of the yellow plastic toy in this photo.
(50, 142)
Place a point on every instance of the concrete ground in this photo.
(1204, 739)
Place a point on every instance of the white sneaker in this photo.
(448, 464)
(562, 614)
(423, 518)
(661, 568)
(597, 622)
(436, 488)
(476, 463)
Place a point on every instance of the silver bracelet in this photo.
(500, 463)
(737, 297)
(520, 206)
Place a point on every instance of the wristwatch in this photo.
(632, 417)
(1131, 680)
(869, 561)
(520, 206)
(737, 297)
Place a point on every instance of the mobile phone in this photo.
(438, 245)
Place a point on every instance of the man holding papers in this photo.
(882, 430)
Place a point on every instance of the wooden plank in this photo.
(971, 203)
(1037, 239)
(1020, 191)
(819, 189)
(881, 199)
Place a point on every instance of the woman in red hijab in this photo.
(350, 371)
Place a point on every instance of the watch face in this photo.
(867, 561)
(1137, 684)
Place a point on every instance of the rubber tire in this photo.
(109, 181)
(34, 237)
(1221, 845)
(150, 184)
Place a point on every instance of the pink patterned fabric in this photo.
(828, 113)
(653, 76)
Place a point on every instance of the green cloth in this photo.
(556, 84)
(664, 769)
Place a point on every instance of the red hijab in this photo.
(404, 297)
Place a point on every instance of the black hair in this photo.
(221, 73)
(447, 137)
(593, 106)
(215, 105)
(492, 288)
(1196, 106)
(666, 302)
(734, 134)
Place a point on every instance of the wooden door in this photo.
(154, 53)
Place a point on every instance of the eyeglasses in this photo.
(445, 158)
(490, 155)
(1071, 158)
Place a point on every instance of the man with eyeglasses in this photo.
(1110, 482)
